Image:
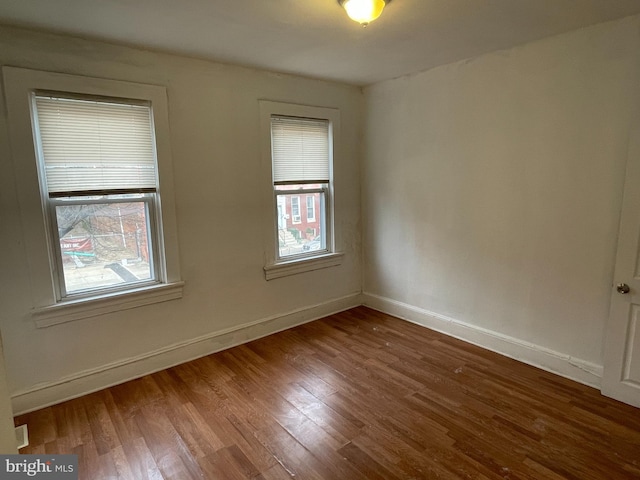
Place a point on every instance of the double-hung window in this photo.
(301, 165)
(311, 208)
(300, 155)
(98, 171)
(295, 209)
(91, 159)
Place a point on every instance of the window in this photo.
(98, 169)
(301, 164)
(295, 209)
(311, 208)
(96, 152)
(299, 155)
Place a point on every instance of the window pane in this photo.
(104, 245)
(300, 233)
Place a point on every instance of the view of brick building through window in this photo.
(103, 244)
(300, 222)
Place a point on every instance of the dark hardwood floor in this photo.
(358, 395)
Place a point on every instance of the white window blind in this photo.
(90, 146)
(300, 150)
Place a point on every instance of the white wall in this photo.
(492, 190)
(214, 120)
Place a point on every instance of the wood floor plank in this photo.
(277, 472)
(140, 460)
(357, 395)
(169, 450)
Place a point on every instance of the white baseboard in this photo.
(92, 380)
(581, 371)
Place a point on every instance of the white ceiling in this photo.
(315, 37)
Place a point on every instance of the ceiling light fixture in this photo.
(363, 11)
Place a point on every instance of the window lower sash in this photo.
(103, 245)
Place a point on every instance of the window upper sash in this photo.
(94, 147)
(300, 150)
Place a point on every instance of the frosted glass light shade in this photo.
(364, 11)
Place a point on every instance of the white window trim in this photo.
(293, 267)
(19, 84)
(275, 268)
(69, 311)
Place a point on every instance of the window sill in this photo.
(293, 267)
(70, 311)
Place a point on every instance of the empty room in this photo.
(320, 239)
